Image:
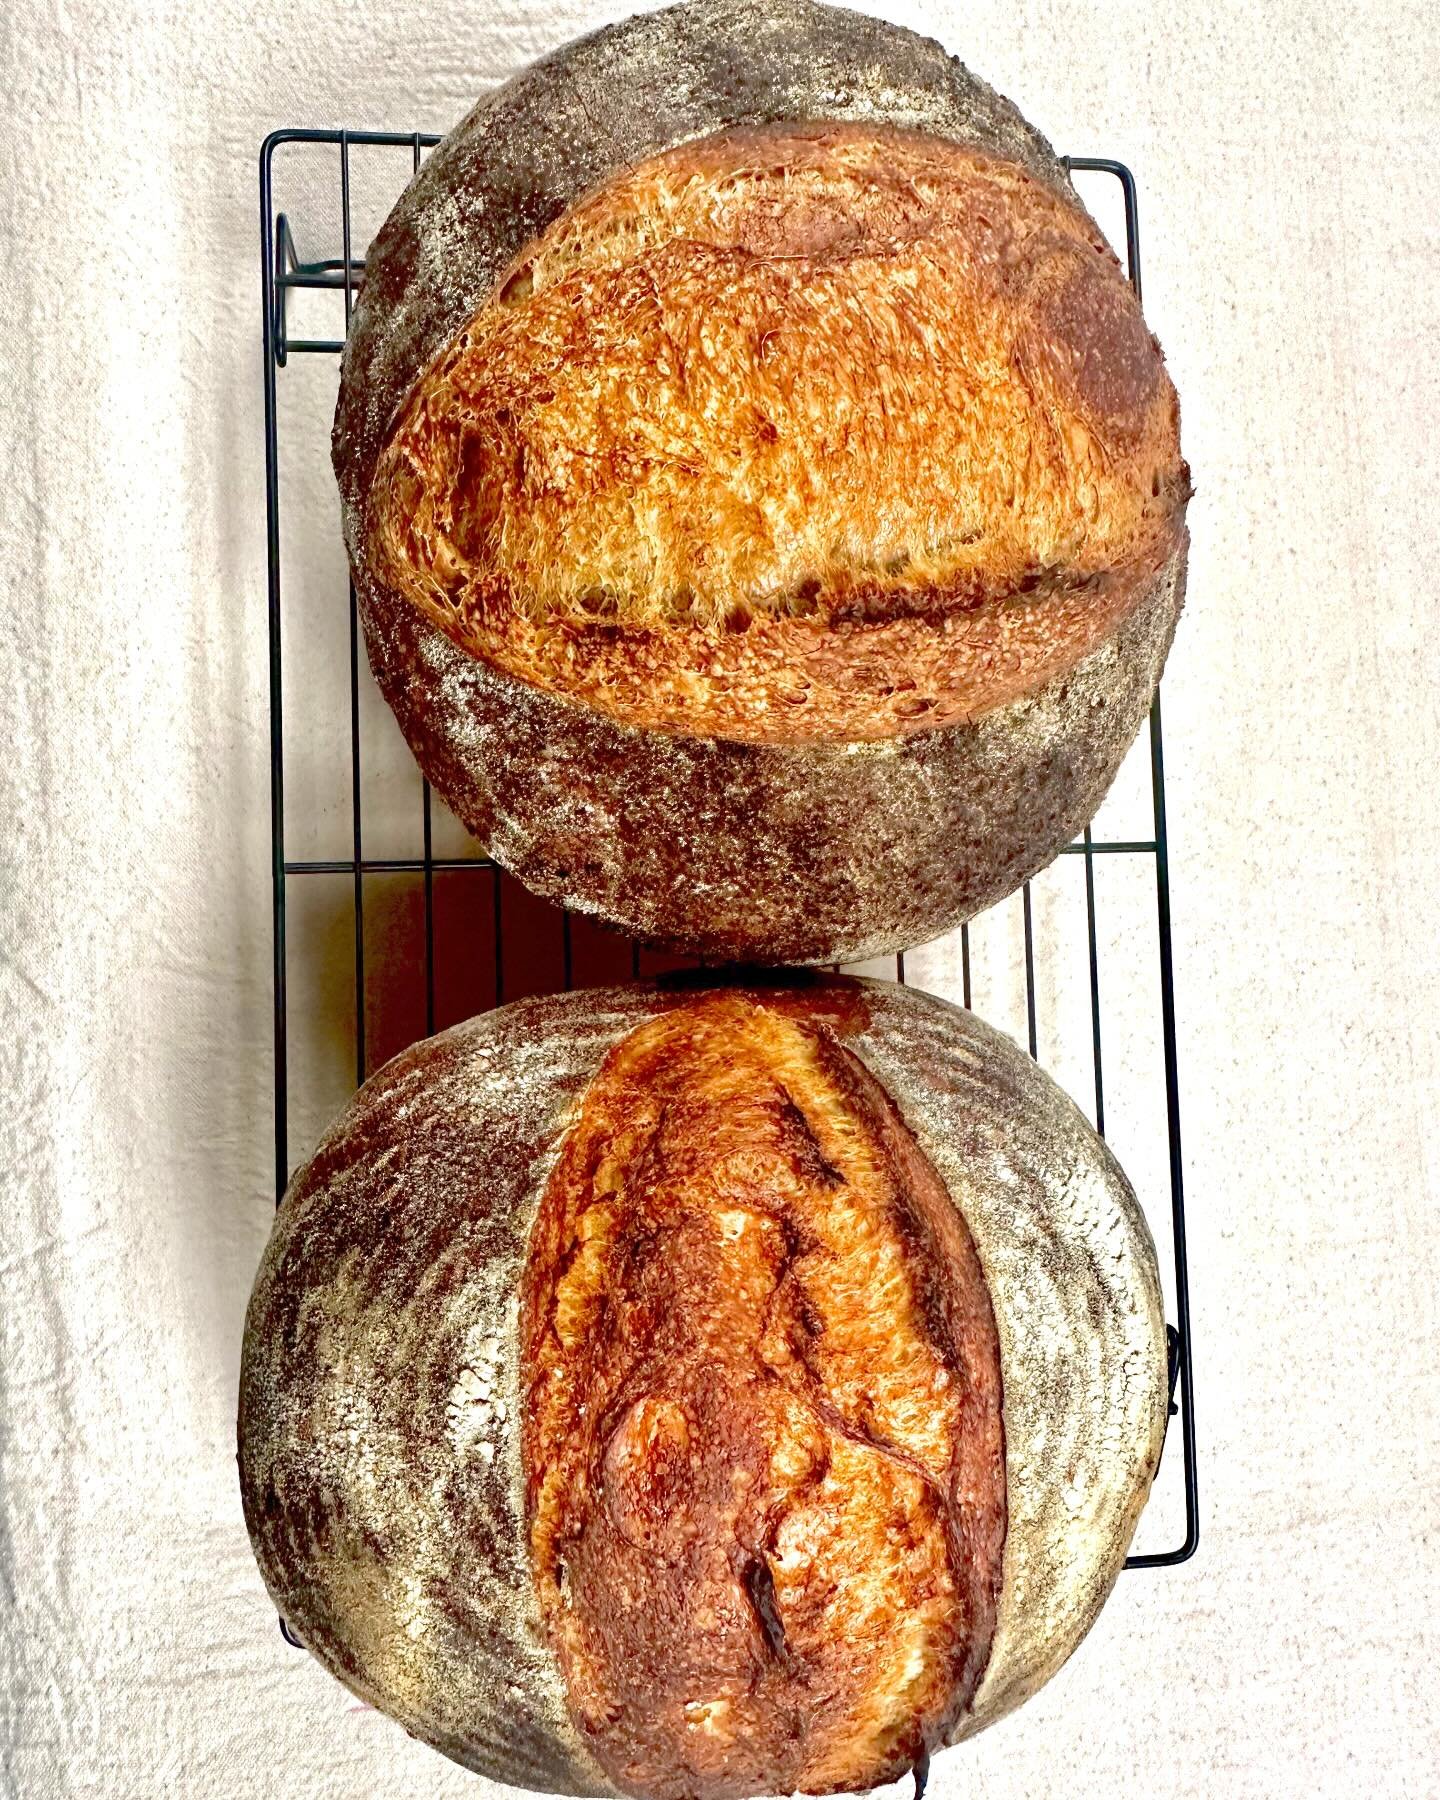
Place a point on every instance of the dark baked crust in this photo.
(381, 1389)
(764, 1460)
(755, 851)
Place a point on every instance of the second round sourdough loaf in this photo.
(700, 1393)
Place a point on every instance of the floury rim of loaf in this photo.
(696, 1393)
(764, 498)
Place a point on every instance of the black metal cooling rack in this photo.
(283, 272)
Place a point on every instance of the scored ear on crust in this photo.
(775, 381)
(763, 1390)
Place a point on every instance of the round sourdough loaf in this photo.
(764, 497)
(702, 1392)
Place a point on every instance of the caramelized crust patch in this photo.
(795, 432)
(763, 1446)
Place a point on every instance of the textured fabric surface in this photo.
(1285, 156)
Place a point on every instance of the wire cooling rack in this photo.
(519, 941)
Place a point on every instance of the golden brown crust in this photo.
(762, 1440)
(798, 432)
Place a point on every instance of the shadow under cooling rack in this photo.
(457, 934)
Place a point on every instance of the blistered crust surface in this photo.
(796, 431)
(1071, 1269)
(599, 104)
(762, 1439)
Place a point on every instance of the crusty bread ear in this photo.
(793, 433)
(764, 497)
(569, 1296)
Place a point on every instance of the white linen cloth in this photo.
(1286, 158)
